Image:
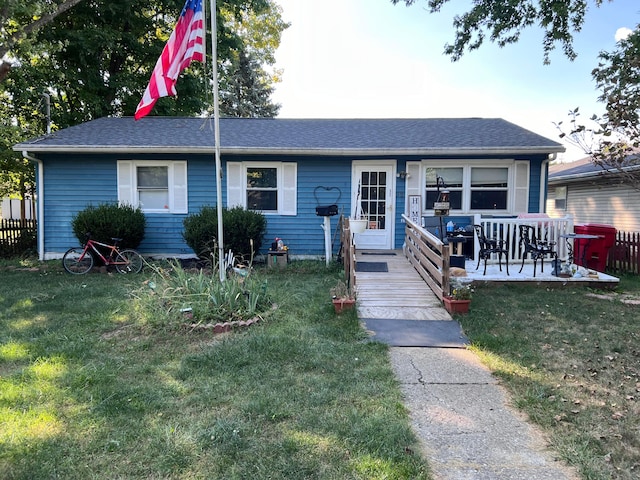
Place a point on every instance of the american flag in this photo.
(186, 44)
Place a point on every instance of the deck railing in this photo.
(428, 255)
(507, 229)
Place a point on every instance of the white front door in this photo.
(376, 183)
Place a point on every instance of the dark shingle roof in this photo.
(312, 136)
(585, 168)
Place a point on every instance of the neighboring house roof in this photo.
(301, 136)
(585, 169)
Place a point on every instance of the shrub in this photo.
(109, 220)
(240, 228)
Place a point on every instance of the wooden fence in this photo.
(624, 256)
(429, 256)
(16, 236)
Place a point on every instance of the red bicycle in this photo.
(79, 260)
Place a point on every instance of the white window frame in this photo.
(560, 197)
(128, 193)
(287, 185)
(466, 166)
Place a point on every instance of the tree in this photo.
(611, 139)
(245, 85)
(95, 60)
(20, 18)
(503, 21)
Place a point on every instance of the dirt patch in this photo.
(620, 297)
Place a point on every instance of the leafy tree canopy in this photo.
(95, 60)
(613, 139)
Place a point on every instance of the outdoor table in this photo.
(578, 236)
(458, 240)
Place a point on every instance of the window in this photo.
(561, 198)
(156, 187)
(489, 188)
(474, 186)
(452, 178)
(267, 187)
(262, 189)
(153, 187)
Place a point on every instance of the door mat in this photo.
(389, 254)
(417, 333)
(372, 267)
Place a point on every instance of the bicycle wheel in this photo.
(75, 262)
(129, 261)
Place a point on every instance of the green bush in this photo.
(240, 228)
(110, 220)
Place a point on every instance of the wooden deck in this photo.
(399, 293)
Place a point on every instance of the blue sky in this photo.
(371, 59)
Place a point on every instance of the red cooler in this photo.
(594, 251)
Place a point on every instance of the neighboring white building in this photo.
(593, 195)
(11, 209)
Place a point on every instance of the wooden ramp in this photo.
(398, 293)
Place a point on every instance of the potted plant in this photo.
(459, 299)
(342, 296)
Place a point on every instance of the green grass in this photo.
(90, 390)
(571, 359)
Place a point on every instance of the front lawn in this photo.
(571, 359)
(91, 388)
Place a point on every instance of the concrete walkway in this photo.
(459, 412)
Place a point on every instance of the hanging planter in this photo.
(358, 225)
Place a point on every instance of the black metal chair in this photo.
(489, 246)
(538, 248)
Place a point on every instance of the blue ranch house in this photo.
(285, 168)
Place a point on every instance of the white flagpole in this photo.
(216, 127)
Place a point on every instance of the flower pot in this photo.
(456, 306)
(341, 304)
(358, 226)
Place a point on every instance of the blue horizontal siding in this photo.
(72, 182)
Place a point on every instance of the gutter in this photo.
(39, 201)
(295, 151)
(544, 177)
(576, 177)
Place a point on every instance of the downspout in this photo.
(544, 181)
(39, 201)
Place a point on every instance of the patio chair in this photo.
(536, 247)
(489, 246)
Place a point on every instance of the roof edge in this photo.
(290, 151)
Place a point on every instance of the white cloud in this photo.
(622, 33)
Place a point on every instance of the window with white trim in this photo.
(453, 182)
(561, 198)
(489, 188)
(472, 188)
(262, 189)
(267, 187)
(155, 187)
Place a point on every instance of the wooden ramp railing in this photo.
(349, 252)
(429, 256)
